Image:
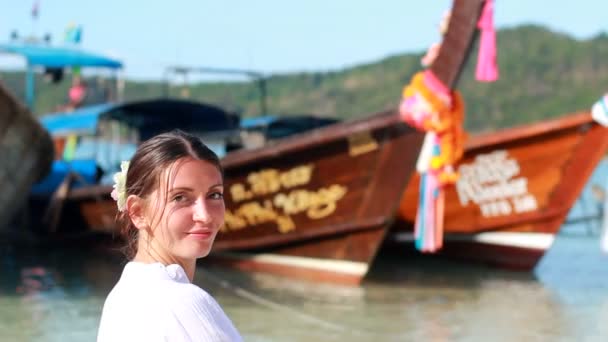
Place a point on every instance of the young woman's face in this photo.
(190, 198)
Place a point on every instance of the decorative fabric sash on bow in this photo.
(487, 69)
(429, 106)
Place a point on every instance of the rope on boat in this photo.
(242, 292)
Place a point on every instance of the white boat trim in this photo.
(529, 240)
(326, 265)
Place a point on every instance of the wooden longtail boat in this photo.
(516, 188)
(26, 148)
(316, 205)
(26, 153)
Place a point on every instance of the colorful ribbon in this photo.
(428, 105)
(487, 69)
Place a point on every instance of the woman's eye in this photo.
(179, 198)
(216, 195)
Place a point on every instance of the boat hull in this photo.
(26, 154)
(509, 250)
(516, 185)
(315, 206)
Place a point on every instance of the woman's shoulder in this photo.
(194, 312)
(168, 304)
(191, 297)
(155, 285)
(171, 286)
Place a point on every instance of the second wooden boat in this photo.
(515, 190)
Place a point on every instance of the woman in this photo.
(170, 199)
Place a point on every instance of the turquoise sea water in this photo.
(57, 295)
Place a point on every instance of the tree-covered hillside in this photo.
(542, 74)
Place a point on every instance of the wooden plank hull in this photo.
(515, 190)
(510, 250)
(26, 153)
(314, 206)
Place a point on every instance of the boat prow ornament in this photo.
(431, 104)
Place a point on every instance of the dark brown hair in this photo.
(146, 167)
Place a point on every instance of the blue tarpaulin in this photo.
(81, 121)
(59, 57)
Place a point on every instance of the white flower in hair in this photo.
(119, 194)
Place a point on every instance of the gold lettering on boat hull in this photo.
(314, 204)
(268, 181)
(286, 200)
(253, 213)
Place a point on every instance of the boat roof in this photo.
(268, 120)
(149, 117)
(59, 57)
(80, 121)
(275, 127)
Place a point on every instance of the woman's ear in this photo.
(136, 211)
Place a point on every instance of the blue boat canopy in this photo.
(95, 160)
(59, 57)
(150, 117)
(82, 121)
(275, 127)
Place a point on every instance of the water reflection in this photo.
(43, 271)
(35, 280)
(49, 294)
(57, 295)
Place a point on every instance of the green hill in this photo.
(542, 74)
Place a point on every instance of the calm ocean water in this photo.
(57, 295)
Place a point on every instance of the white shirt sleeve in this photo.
(195, 316)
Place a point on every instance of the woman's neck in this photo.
(147, 254)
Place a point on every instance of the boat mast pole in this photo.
(263, 105)
(30, 86)
(254, 75)
(120, 85)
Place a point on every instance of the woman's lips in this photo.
(201, 235)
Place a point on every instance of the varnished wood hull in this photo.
(533, 175)
(26, 153)
(509, 250)
(314, 206)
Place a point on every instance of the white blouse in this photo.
(153, 302)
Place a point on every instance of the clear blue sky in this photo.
(273, 36)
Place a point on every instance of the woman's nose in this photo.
(201, 212)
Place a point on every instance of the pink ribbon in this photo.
(487, 69)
